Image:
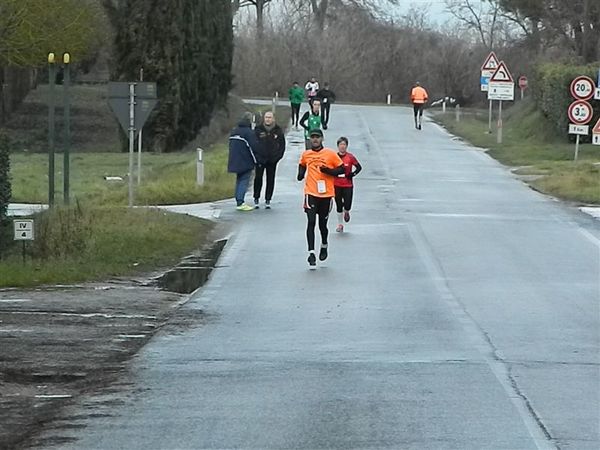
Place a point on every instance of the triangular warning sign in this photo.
(502, 74)
(596, 129)
(491, 62)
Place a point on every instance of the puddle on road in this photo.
(193, 271)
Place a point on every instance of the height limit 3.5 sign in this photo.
(580, 112)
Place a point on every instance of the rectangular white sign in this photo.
(596, 139)
(501, 90)
(597, 94)
(582, 130)
(23, 230)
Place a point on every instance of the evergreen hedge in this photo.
(186, 47)
(551, 90)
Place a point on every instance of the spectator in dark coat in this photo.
(243, 158)
(327, 97)
(271, 148)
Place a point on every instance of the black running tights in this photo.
(317, 207)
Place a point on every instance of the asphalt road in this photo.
(460, 310)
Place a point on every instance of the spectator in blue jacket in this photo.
(243, 146)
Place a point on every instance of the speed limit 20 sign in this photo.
(580, 112)
(583, 88)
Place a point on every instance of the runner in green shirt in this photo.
(296, 95)
(311, 120)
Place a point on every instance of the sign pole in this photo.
(139, 162)
(490, 118)
(131, 139)
(500, 123)
(576, 147)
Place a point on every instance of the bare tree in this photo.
(482, 16)
(260, 6)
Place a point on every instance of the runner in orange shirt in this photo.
(318, 166)
(418, 97)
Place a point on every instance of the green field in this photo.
(167, 178)
(531, 145)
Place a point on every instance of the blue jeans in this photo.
(241, 186)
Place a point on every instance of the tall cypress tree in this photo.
(186, 46)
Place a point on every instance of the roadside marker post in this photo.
(199, 168)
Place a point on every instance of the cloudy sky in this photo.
(437, 8)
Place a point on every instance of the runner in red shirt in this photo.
(343, 184)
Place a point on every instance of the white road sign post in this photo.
(132, 103)
(23, 232)
(502, 88)
(487, 70)
(580, 113)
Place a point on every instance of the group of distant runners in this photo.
(327, 174)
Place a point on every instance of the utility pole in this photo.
(51, 110)
(67, 124)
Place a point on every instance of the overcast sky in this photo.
(437, 8)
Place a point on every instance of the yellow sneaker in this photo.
(244, 207)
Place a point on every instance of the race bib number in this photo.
(321, 187)
(325, 100)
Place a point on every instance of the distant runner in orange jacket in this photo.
(418, 97)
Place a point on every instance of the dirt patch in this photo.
(58, 346)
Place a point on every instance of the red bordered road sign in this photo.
(523, 82)
(502, 74)
(583, 88)
(490, 65)
(596, 133)
(580, 112)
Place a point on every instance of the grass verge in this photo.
(78, 244)
(99, 238)
(530, 144)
